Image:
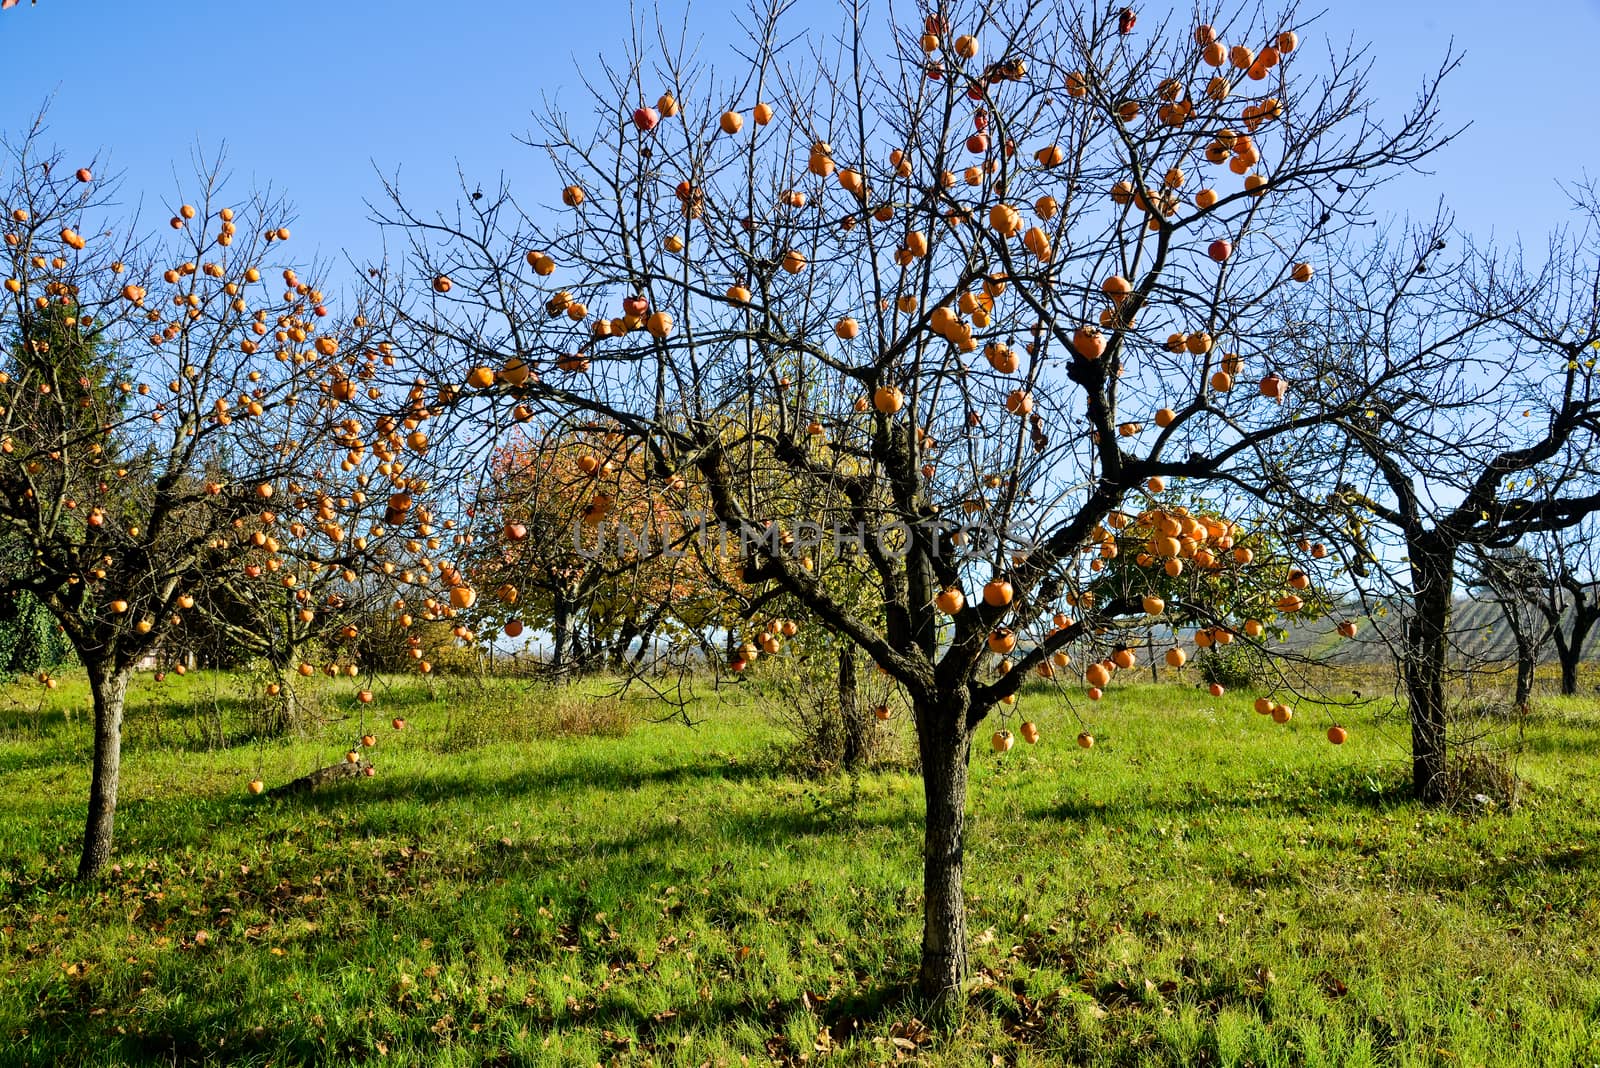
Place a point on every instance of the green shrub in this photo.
(832, 724)
(30, 638)
(1232, 666)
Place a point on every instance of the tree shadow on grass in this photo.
(618, 860)
(59, 757)
(633, 860)
(1335, 790)
(615, 1021)
(370, 805)
(856, 1013)
(583, 775)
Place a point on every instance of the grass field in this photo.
(1202, 887)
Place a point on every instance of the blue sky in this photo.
(312, 98)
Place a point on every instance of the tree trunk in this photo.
(1432, 577)
(1513, 606)
(708, 646)
(586, 650)
(945, 746)
(1583, 621)
(617, 656)
(560, 633)
(647, 642)
(109, 684)
(1526, 656)
(1569, 671)
(857, 721)
(1568, 662)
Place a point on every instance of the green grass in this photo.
(1202, 887)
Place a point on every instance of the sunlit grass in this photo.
(1202, 887)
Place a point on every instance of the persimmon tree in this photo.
(1481, 431)
(1510, 579)
(1228, 578)
(178, 410)
(960, 290)
(576, 542)
(1567, 594)
(319, 600)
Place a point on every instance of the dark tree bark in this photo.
(1569, 646)
(857, 721)
(109, 684)
(708, 646)
(1432, 578)
(1525, 662)
(945, 745)
(1513, 580)
(560, 632)
(1569, 670)
(646, 646)
(617, 655)
(587, 650)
